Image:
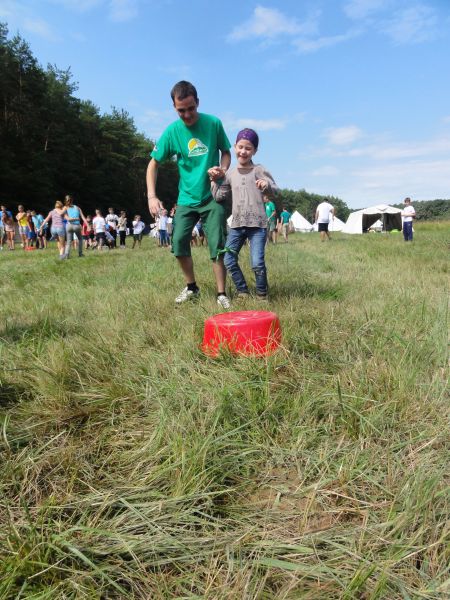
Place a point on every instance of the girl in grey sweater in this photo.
(249, 187)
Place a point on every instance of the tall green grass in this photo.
(133, 466)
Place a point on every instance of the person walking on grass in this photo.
(99, 225)
(2, 228)
(248, 184)
(271, 214)
(8, 226)
(122, 227)
(31, 232)
(112, 220)
(138, 229)
(199, 142)
(162, 228)
(324, 214)
(38, 219)
(22, 222)
(57, 229)
(74, 215)
(408, 214)
(87, 232)
(285, 218)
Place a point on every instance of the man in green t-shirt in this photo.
(285, 217)
(198, 141)
(271, 214)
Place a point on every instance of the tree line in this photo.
(52, 143)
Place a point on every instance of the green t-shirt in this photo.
(270, 207)
(285, 216)
(197, 150)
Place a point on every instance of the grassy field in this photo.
(133, 466)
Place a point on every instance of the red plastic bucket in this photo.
(249, 332)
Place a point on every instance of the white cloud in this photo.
(155, 121)
(381, 151)
(269, 23)
(361, 9)
(305, 45)
(413, 25)
(446, 120)
(122, 10)
(19, 15)
(326, 171)
(340, 136)
(117, 10)
(78, 5)
(385, 170)
(420, 179)
(41, 28)
(179, 70)
(233, 123)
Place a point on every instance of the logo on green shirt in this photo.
(197, 147)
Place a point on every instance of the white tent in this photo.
(360, 220)
(300, 223)
(335, 225)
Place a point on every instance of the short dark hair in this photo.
(183, 89)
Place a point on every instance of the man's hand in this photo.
(216, 173)
(155, 206)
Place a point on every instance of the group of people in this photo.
(67, 224)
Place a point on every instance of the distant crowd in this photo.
(70, 228)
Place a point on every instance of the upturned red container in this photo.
(248, 332)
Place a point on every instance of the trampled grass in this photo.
(136, 467)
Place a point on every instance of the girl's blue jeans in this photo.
(236, 239)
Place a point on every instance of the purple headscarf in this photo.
(249, 135)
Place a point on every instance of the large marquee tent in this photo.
(360, 220)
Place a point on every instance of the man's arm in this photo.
(154, 203)
(225, 159)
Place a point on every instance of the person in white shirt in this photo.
(324, 214)
(99, 224)
(408, 214)
(138, 228)
(113, 221)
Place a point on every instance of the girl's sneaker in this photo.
(223, 301)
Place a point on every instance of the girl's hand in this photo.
(262, 184)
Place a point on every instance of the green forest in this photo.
(52, 144)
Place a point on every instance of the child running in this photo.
(138, 228)
(99, 225)
(246, 183)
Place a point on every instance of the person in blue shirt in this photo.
(38, 219)
(73, 215)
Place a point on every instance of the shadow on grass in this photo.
(41, 329)
(12, 394)
(307, 289)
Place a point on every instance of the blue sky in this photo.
(349, 97)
